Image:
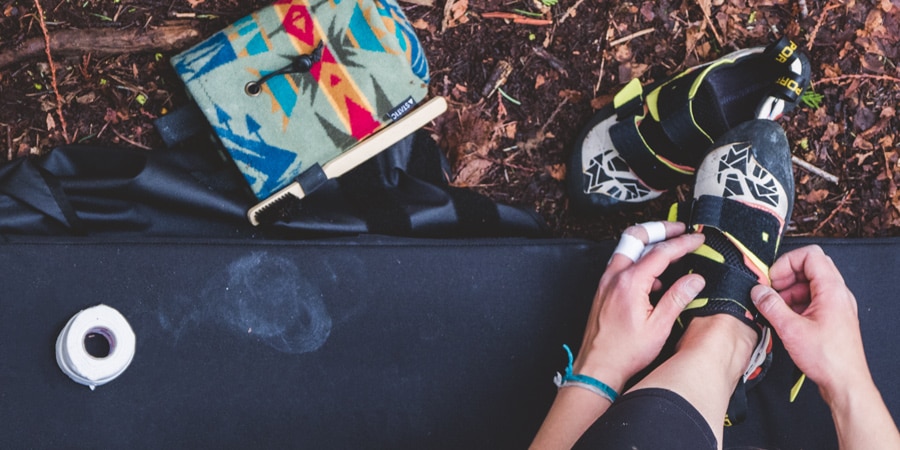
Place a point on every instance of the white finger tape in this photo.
(630, 247)
(84, 368)
(655, 230)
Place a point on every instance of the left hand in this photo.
(625, 333)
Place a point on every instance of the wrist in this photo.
(572, 377)
(613, 377)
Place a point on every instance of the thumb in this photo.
(771, 305)
(677, 297)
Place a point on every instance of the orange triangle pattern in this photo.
(350, 105)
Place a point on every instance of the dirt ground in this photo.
(567, 60)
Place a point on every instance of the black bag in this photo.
(89, 190)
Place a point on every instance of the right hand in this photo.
(815, 315)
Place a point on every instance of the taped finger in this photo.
(630, 247)
(656, 231)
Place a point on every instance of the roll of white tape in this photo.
(73, 357)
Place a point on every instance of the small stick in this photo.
(839, 207)
(553, 115)
(815, 170)
(857, 76)
(136, 144)
(554, 62)
(571, 11)
(600, 77)
(516, 18)
(815, 30)
(59, 100)
(631, 36)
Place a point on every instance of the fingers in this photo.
(677, 298)
(796, 296)
(806, 264)
(636, 237)
(655, 262)
(772, 307)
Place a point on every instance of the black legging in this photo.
(650, 419)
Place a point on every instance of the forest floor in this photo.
(567, 61)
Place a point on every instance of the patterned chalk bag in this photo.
(295, 84)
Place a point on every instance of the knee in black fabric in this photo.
(650, 419)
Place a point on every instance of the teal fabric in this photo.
(371, 63)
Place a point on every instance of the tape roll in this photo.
(72, 354)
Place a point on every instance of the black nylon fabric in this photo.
(78, 190)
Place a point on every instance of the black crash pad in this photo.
(351, 343)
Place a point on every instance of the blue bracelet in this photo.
(583, 381)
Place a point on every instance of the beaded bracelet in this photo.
(583, 381)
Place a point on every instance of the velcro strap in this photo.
(676, 117)
(758, 230)
(722, 283)
(783, 53)
(789, 87)
(627, 140)
(629, 101)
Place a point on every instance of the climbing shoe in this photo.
(742, 201)
(652, 138)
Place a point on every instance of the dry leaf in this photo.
(509, 129)
(539, 81)
(51, 124)
(638, 70)
(572, 95)
(861, 143)
(601, 101)
(557, 171)
(861, 157)
(420, 24)
(471, 172)
(86, 99)
(647, 11)
(195, 3)
(623, 53)
(816, 196)
(455, 13)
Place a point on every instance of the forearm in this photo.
(574, 410)
(861, 418)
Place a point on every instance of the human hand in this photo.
(815, 315)
(625, 332)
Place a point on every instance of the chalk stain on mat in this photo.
(267, 297)
(259, 296)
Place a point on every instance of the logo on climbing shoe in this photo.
(741, 176)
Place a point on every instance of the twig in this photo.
(571, 11)
(839, 207)
(553, 116)
(134, 143)
(516, 18)
(419, 2)
(554, 62)
(856, 76)
(631, 36)
(600, 77)
(53, 84)
(819, 22)
(815, 170)
(105, 42)
(710, 25)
